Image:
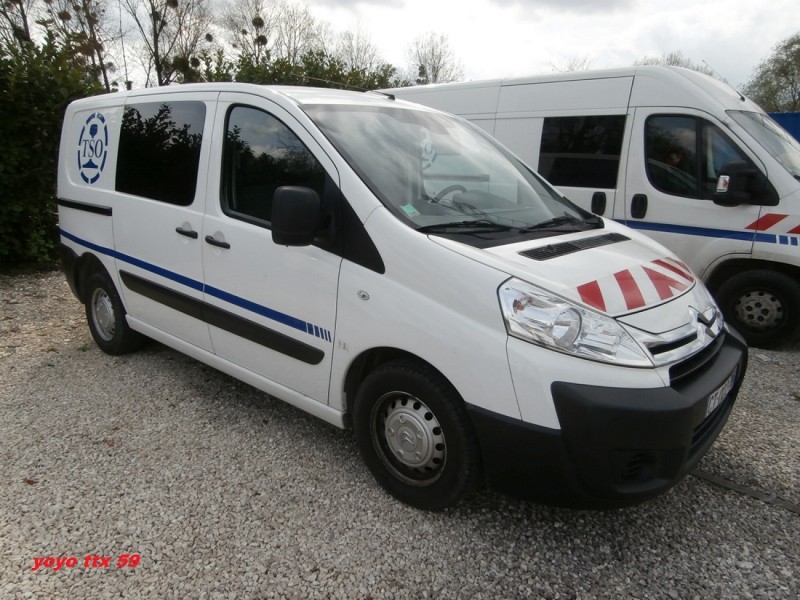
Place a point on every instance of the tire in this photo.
(763, 306)
(105, 315)
(413, 432)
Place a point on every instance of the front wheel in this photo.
(413, 432)
(764, 306)
(106, 317)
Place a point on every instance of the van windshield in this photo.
(775, 140)
(441, 175)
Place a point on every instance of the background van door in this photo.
(674, 161)
(271, 309)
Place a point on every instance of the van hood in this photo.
(613, 270)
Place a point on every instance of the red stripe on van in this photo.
(795, 230)
(591, 295)
(686, 274)
(766, 222)
(630, 290)
(665, 285)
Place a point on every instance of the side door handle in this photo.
(599, 203)
(215, 242)
(190, 233)
(639, 206)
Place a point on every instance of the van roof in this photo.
(295, 94)
(655, 86)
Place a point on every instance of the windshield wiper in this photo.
(590, 223)
(484, 224)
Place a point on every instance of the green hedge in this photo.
(36, 84)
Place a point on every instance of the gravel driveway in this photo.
(153, 476)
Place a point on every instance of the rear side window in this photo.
(582, 151)
(685, 155)
(262, 154)
(159, 150)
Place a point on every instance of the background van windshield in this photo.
(775, 140)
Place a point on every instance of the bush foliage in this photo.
(36, 84)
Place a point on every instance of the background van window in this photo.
(582, 151)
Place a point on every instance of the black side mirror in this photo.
(741, 183)
(296, 216)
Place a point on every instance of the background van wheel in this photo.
(106, 317)
(764, 306)
(413, 432)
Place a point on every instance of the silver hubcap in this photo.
(409, 438)
(103, 314)
(759, 310)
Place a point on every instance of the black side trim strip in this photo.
(92, 208)
(223, 319)
(180, 302)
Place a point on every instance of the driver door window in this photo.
(685, 155)
(262, 154)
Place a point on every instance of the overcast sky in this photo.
(507, 38)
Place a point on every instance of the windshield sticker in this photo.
(410, 210)
(427, 150)
(93, 148)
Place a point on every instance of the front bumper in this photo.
(616, 446)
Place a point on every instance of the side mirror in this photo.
(296, 216)
(741, 183)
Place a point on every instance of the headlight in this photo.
(535, 315)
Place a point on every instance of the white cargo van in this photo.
(671, 152)
(391, 268)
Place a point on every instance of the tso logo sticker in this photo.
(93, 148)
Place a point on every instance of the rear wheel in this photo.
(106, 317)
(764, 306)
(413, 432)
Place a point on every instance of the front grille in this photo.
(556, 250)
(683, 371)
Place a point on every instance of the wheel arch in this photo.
(371, 359)
(85, 266)
(734, 266)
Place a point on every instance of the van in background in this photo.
(671, 152)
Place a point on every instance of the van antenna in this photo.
(721, 78)
(128, 82)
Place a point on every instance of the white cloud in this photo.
(499, 38)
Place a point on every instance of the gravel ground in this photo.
(218, 491)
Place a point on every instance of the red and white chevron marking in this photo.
(638, 287)
(771, 220)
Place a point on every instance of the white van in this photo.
(670, 152)
(391, 268)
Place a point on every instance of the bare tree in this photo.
(171, 32)
(356, 50)
(432, 60)
(84, 25)
(299, 33)
(272, 29)
(252, 26)
(571, 64)
(15, 26)
(675, 59)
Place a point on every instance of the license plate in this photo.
(718, 396)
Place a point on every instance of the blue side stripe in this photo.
(264, 311)
(746, 236)
(699, 231)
